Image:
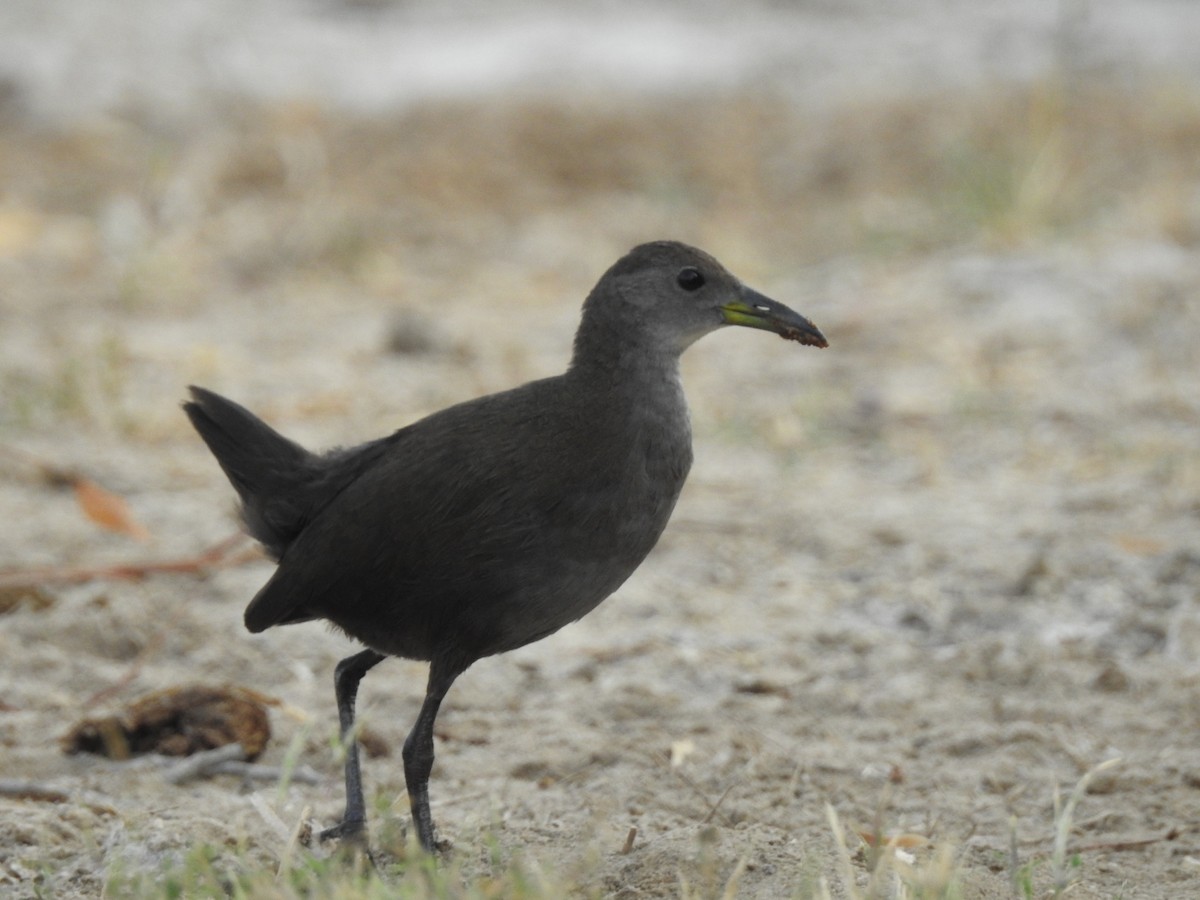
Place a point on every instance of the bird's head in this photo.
(669, 295)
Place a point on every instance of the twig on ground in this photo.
(32, 790)
(218, 556)
(200, 765)
(257, 772)
(1128, 843)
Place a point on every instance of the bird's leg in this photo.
(346, 676)
(418, 749)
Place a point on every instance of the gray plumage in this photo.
(494, 522)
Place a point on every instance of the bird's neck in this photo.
(608, 354)
(631, 377)
(635, 391)
(630, 371)
(634, 408)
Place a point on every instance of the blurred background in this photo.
(977, 513)
(408, 155)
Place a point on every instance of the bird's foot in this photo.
(348, 830)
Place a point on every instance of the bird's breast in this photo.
(639, 464)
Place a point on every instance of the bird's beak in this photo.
(753, 310)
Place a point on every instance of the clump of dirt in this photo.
(177, 721)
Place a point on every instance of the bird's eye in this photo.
(690, 279)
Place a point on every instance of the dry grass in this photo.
(266, 202)
(901, 867)
(1005, 165)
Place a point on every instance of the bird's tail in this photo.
(272, 475)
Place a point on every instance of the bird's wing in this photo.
(431, 510)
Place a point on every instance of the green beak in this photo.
(753, 310)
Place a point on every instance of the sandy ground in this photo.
(929, 577)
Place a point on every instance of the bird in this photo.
(496, 521)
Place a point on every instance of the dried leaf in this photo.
(896, 841)
(1140, 545)
(108, 510)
